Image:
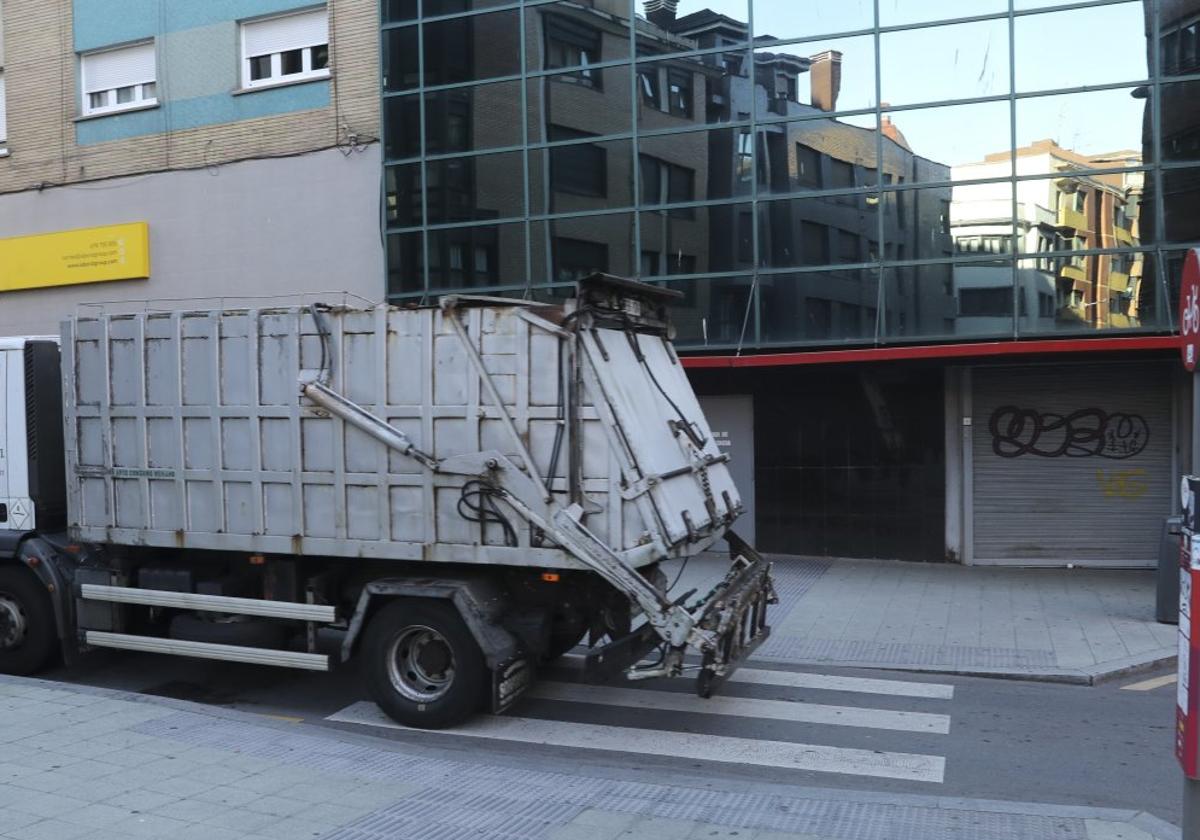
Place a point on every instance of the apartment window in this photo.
(668, 183)
(285, 49)
(3, 111)
(843, 177)
(581, 169)
(648, 82)
(808, 167)
(995, 302)
(575, 259)
(679, 92)
(814, 244)
(119, 79)
(570, 43)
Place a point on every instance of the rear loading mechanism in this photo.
(447, 620)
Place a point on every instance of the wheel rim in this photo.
(420, 664)
(13, 625)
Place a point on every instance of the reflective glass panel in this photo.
(572, 35)
(1093, 130)
(946, 301)
(405, 264)
(1067, 292)
(799, 79)
(1052, 49)
(821, 154)
(562, 102)
(899, 12)
(568, 249)
(1180, 122)
(946, 142)
(1179, 43)
(721, 160)
(396, 11)
(787, 19)
(402, 195)
(822, 307)
(684, 91)
(919, 224)
(696, 240)
(580, 176)
(457, 120)
(959, 61)
(695, 24)
(713, 312)
(464, 49)
(1181, 205)
(818, 231)
(486, 256)
(461, 189)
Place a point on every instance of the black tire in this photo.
(29, 645)
(398, 631)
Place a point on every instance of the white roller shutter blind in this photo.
(3, 111)
(118, 68)
(264, 37)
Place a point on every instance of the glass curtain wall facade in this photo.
(814, 173)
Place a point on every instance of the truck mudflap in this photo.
(735, 612)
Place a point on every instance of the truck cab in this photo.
(32, 484)
(32, 501)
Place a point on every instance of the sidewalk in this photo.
(104, 765)
(1064, 625)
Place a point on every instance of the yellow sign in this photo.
(88, 255)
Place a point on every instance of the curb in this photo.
(1105, 672)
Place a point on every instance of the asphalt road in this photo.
(1106, 745)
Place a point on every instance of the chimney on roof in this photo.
(825, 76)
(661, 12)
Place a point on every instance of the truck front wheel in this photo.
(423, 666)
(27, 635)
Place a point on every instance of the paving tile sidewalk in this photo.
(1069, 625)
(81, 762)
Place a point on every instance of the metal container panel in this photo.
(187, 429)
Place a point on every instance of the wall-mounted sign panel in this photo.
(87, 255)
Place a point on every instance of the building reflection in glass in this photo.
(758, 173)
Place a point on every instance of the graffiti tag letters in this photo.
(1081, 434)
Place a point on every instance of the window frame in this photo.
(686, 107)
(112, 106)
(277, 78)
(570, 37)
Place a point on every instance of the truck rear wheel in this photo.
(422, 665)
(27, 635)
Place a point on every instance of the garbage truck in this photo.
(453, 495)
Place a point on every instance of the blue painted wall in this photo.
(198, 64)
(102, 23)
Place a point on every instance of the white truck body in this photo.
(188, 430)
(460, 492)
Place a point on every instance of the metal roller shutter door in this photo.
(1071, 464)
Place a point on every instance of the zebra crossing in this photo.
(822, 724)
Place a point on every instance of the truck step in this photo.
(209, 650)
(211, 603)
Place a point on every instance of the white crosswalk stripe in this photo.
(743, 707)
(715, 742)
(699, 747)
(826, 682)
